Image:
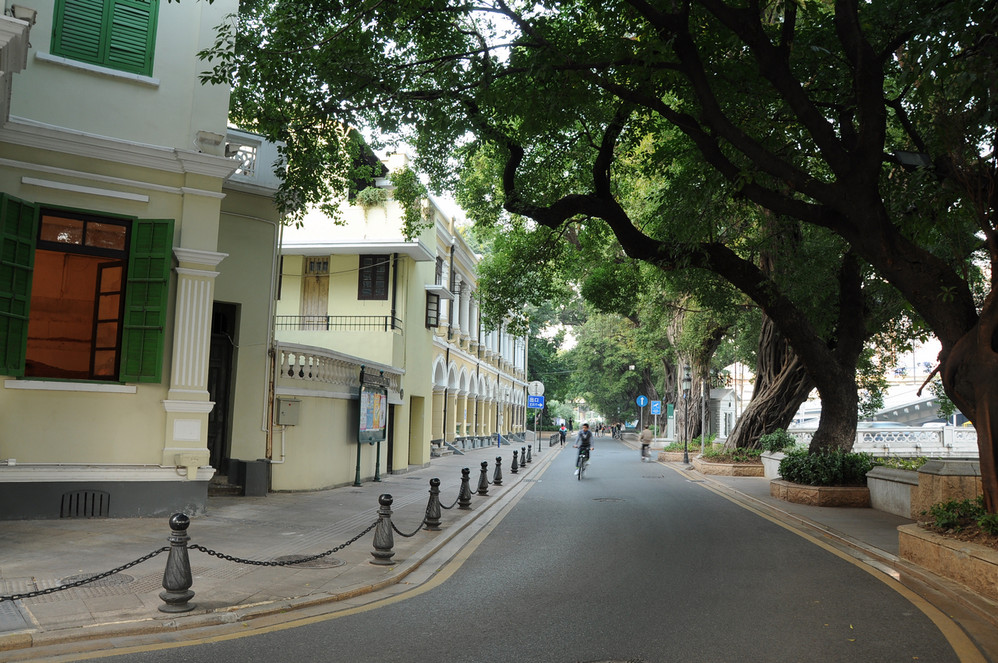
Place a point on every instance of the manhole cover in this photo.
(608, 499)
(110, 581)
(321, 563)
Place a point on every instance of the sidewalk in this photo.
(41, 554)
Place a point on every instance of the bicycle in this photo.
(583, 462)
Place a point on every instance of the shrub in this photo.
(778, 440)
(372, 196)
(739, 455)
(833, 468)
(678, 446)
(901, 463)
(958, 514)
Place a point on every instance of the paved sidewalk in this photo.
(40, 554)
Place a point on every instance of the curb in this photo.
(22, 642)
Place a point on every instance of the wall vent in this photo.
(85, 504)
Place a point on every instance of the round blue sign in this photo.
(642, 401)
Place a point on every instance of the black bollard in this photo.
(384, 538)
(483, 479)
(177, 579)
(530, 458)
(523, 457)
(497, 477)
(464, 495)
(513, 466)
(433, 506)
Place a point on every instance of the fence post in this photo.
(513, 466)
(464, 495)
(497, 477)
(384, 539)
(483, 479)
(433, 506)
(177, 579)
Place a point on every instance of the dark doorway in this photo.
(220, 364)
(390, 440)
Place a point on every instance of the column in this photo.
(437, 415)
(451, 424)
(187, 405)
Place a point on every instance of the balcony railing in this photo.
(948, 442)
(385, 323)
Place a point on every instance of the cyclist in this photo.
(584, 442)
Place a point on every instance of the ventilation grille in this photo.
(85, 504)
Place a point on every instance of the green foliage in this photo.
(739, 455)
(410, 193)
(776, 441)
(372, 196)
(899, 463)
(959, 514)
(830, 468)
(693, 445)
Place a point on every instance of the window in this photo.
(439, 279)
(432, 310)
(82, 296)
(373, 280)
(118, 34)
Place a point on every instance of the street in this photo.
(633, 563)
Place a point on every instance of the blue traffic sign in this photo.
(656, 407)
(535, 402)
(642, 401)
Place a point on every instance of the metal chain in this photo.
(401, 533)
(255, 562)
(453, 504)
(79, 583)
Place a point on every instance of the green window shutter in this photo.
(146, 292)
(78, 28)
(132, 35)
(120, 34)
(18, 229)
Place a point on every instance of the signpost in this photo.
(656, 409)
(642, 401)
(535, 401)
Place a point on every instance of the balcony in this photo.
(361, 323)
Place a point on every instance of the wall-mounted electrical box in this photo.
(288, 410)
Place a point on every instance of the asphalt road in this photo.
(634, 563)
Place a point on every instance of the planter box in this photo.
(944, 480)
(728, 469)
(771, 464)
(854, 496)
(890, 490)
(670, 456)
(972, 565)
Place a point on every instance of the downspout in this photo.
(395, 266)
(446, 389)
(450, 312)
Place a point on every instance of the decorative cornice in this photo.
(199, 256)
(415, 250)
(87, 190)
(196, 407)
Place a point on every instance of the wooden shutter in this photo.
(120, 34)
(18, 229)
(146, 292)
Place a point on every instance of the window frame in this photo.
(125, 41)
(379, 267)
(434, 320)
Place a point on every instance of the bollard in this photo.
(433, 506)
(513, 465)
(530, 458)
(384, 539)
(483, 479)
(177, 579)
(497, 477)
(523, 457)
(464, 495)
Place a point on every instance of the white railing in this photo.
(319, 368)
(948, 442)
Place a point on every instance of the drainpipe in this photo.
(395, 271)
(446, 390)
(450, 316)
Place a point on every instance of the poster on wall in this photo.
(373, 411)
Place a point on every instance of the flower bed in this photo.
(854, 496)
(970, 564)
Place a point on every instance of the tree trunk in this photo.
(781, 385)
(839, 412)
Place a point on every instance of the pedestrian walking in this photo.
(646, 438)
(562, 432)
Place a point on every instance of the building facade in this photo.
(133, 334)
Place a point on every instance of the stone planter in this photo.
(670, 456)
(771, 464)
(945, 480)
(890, 490)
(970, 564)
(854, 496)
(728, 469)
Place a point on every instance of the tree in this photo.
(874, 122)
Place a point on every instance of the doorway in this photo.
(221, 358)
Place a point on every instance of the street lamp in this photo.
(687, 383)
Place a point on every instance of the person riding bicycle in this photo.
(584, 442)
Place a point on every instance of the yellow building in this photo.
(137, 261)
(358, 295)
